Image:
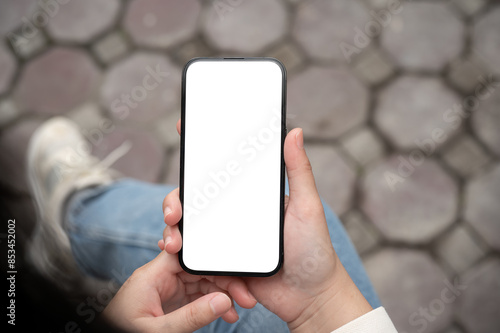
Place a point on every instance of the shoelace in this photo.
(115, 155)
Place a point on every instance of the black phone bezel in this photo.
(282, 174)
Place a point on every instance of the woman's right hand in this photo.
(312, 291)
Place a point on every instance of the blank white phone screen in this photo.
(232, 165)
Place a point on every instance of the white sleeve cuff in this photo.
(375, 321)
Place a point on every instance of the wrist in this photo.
(339, 304)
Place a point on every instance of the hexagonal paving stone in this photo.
(80, 21)
(486, 121)
(417, 112)
(362, 233)
(363, 145)
(482, 210)
(7, 68)
(141, 87)
(334, 178)
(486, 38)
(410, 199)
(244, 26)
(12, 13)
(459, 249)
(424, 36)
(411, 288)
(13, 147)
(465, 155)
(160, 23)
(326, 102)
(73, 79)
(373, 67)
(322, 26)
(465, 74)
(111, 47)
(479, 304)
(145, 158)
(29, 47)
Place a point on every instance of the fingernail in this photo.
(220, 304)
(168, 240)
(167, 211)
(299, 138)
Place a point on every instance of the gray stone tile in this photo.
(8, 67)
(160, 23)
(469, 7)
(74, 79)
(409, 200)
(8, 111)
(81, 21)
(411, 287)
(13, 147)
(479, 304)
(28, 47)
(373, 67)
(481, 206)
(12, 13)
(111, 47)
(231, 25)
(326, 102)
(335, 179)
(465, 155)
(486, 119)
(465, 74)
(144, 161)
(459, 249)
(486, 38)
(418, 112)
(362, 233)
(322, 27)
(141, 88)
(363, 145)
(424, 36)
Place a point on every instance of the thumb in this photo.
(300, 177)
(198, 313)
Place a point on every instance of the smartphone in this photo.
(232, 172)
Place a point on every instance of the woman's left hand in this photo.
(160, 296)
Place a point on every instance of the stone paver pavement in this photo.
(400, 106)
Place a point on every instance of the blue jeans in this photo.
(114, 229)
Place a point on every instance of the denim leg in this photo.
(114, 229)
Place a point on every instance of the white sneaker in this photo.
(58, 164)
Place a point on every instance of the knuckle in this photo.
(194, 317)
